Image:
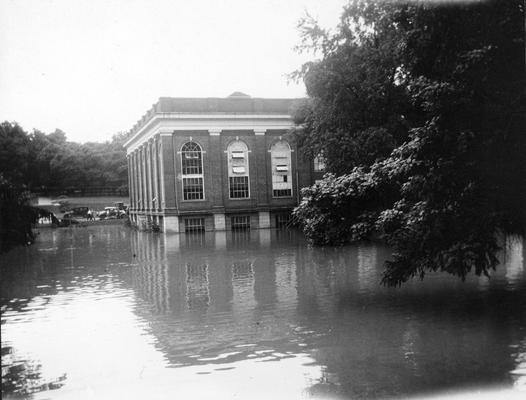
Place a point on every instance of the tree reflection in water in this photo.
(23, 377)
(231, 306)
(274, 291)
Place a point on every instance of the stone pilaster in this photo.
(157, 202)
(130, 188)
(262, 187)
(136, 178)
(141, 179)
(168, 172)
(215, 194)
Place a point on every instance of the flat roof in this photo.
(231, 104)
(236, 104)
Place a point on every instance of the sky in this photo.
(93, 68)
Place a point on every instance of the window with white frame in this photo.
(192, 171)
(240, 222)
(281, 169)
(194, 224)
(238, 173)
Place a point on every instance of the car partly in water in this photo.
(111, 212)
(77, 212)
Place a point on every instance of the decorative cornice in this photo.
(170, 123)
(192, 120)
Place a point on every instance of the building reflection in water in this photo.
(268, 291)
(229, 281)
(197, 291)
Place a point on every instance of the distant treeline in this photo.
(49, 163)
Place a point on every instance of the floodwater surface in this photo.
(105, 312)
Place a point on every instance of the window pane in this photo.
(191, 159)
(238, 154)
(192, 188)
(281, 169)
(240, 222)
(282, 193)
(238, 187)
(194, 224)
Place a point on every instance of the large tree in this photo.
(418, 109)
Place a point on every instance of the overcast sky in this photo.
(93, 68)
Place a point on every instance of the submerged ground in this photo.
(106, 312)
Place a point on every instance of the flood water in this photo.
(105, 312)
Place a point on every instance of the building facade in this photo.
(215, 164)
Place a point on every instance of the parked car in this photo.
(111, 212)
(120, 205)
(77, 212)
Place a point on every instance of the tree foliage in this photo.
(39, 162)
(419, 112)
(16, 216)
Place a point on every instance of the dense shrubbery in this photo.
(419, 111)
(16, 216)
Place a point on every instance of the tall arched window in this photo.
(281, 169)
(238, 174)
(192, 171)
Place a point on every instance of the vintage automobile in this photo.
(111, 212)
(120, 205)
(76, 212)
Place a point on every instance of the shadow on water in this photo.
(217, 301)
(268, 287)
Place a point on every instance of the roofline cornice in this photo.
(222, 118)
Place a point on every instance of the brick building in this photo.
(215, 164)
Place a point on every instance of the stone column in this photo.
(150, 175)
(139, 175)
(144, 182)
(155, 175)
(135, 180)
(168, 188)
(130, 189)
(161, 175)
(148, 181)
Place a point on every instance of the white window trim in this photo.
(281, 155)
(186, 176)
(246, 166)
